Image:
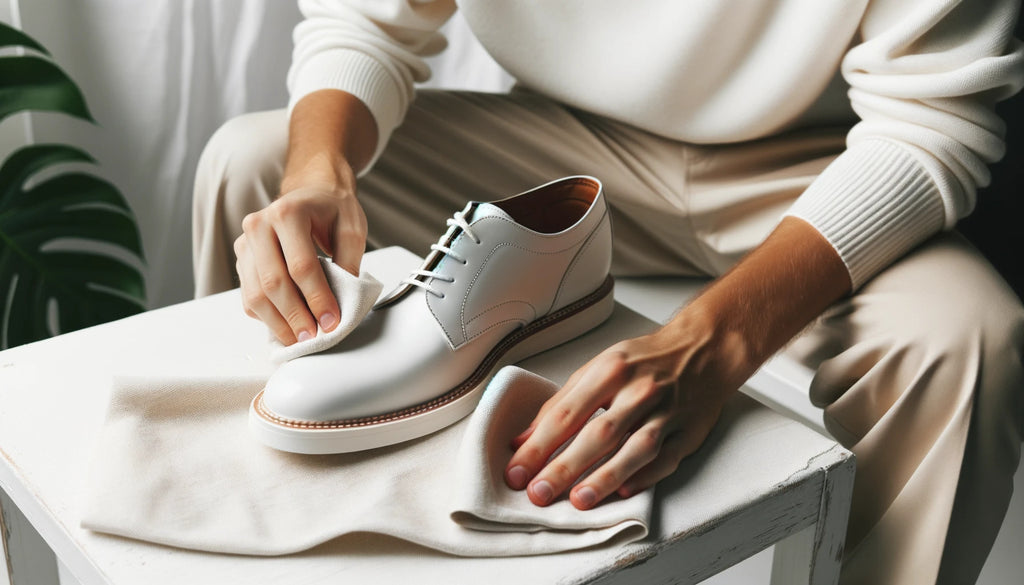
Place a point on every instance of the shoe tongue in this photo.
(482, 210)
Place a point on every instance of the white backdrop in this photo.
(161, 75)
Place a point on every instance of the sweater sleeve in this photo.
(372, 49)
(924, 78)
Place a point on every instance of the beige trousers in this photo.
(919, 372)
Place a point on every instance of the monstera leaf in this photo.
(28, 82)
(69, 245)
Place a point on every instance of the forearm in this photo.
(767, 298)
(331, 137)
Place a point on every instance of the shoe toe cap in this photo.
(304, 390)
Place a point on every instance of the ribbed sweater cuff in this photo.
(360, 75)
(873, 204)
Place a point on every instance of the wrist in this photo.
(715, 346)
(331, 137)
(327, 173)
(750, 312)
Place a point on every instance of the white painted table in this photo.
(760, 478)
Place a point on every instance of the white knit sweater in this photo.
(923, 76)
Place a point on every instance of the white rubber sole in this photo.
(347, 436)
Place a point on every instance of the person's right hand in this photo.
(282, 281)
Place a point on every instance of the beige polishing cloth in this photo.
(356, 296)
(175, 464)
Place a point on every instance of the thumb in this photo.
(348, 236)
(348, 250)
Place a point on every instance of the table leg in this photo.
(814, 554)
(27, 558)
(5, 565)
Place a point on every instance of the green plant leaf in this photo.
(24, 163)
(32, 83)
(69, 241)
(12, 37)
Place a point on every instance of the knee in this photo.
(999, 403)
(966, 341)
(984, 335)
(947, 300)
(932, 356)
(245, 150)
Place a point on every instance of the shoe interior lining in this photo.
(554, 208)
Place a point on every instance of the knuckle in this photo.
(616, 358)
(283, 208)
(303, 268)
(530, 455)
(239, 245)
(647, 391)
(562, 415)
(561, 472)
(317, 302)
(616, 363)
(254, 304)
(296, 316)
(605, 429)
(608, 477)
(252, 221)
(252, 299)
(271, 281)
(649, 440)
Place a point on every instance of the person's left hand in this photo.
(662, 393)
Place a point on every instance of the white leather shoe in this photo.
(508, 279)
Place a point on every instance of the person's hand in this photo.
(282, 281)
(662, 393)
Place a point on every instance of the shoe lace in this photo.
(419, 277)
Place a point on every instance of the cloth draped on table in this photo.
(175, 464)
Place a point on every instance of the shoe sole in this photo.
(347, 436)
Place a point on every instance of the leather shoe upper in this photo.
(498, 267)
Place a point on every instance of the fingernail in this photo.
(327, 320)
(544, 492)
(304, 336)
(517, 477)
(586, 496)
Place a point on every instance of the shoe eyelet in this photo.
(442, 295)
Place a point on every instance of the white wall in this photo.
(160, 76)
